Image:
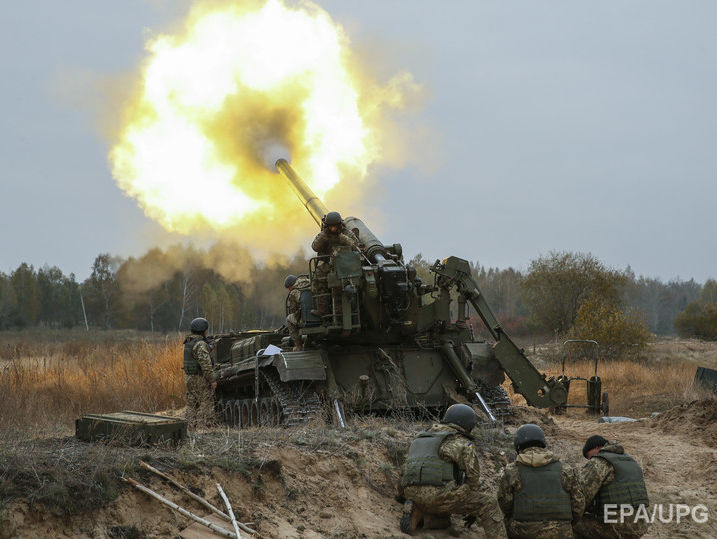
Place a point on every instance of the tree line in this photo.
(164, 289)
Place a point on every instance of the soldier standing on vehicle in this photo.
(293, 319)
(198, 373)
(538, 494)
(442, 475)
(610, 478)
(333, 234)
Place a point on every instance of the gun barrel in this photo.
(312, 203)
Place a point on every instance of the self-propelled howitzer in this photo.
(388, 341)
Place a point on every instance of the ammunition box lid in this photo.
(130, 426)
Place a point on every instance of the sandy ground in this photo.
(347, 490)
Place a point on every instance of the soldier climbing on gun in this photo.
(293, 319)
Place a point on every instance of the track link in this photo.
(296, 407)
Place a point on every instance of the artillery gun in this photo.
(388, 342)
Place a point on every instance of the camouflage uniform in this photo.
(471, 497)
(324, 244)
(294, 317)
(597, 473)
(200, 399)
(510, 484)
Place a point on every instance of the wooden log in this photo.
(184, 489)
(201, 500)
(181, 510)
(229, 510)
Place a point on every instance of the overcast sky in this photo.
(581, 126)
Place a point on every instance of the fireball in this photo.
(240, 86)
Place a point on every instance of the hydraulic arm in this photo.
(527, 380)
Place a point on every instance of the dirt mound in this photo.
(697, 418)
(318, 481)
(525, 414)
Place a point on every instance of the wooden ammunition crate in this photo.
(129, 427)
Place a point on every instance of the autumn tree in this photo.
(557, 285)
(8, 302)
(24, 282)
(103, 290)
(699, 319)
(620, 333)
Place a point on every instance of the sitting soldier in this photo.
(442, 476)
(538, 494)
(293, 319)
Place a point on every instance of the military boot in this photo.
(412, 518)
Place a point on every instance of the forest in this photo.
(163, 290)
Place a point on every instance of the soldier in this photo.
(442, 475)
(333, 234)
(295, 285)
(539, 495)
(198, 373)
(611, 476)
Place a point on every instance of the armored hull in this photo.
(292, 387)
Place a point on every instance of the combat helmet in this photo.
(529, 435)
(290, 281)
(333, 218)
(462, 415)
(199, 325)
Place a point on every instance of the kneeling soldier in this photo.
(611, 478)
(539, 495)
(442, 475)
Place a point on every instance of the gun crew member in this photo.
(539, 495)
(333, 234)
(442, 476)
(293, 319)
(198, 373)
(611, 476)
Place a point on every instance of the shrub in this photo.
(698, 320)
(620, 334)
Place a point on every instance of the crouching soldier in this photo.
(293, 319)
(609, 480)
(539, 495)
(442, 476)
(198, 373)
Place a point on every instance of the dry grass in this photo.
(46, 385)
(661, 379)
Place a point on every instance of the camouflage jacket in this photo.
(597, 473)
(295, 294)
(325, 242)
(200, 351)
(460, 450)
(510, 483)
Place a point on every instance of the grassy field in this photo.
(50, 481)
(49, 378)
(46, 383)
(663, 377)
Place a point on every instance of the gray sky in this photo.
(582, 126)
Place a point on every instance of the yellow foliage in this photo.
(620, 334)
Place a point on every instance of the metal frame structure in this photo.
(594, 385)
